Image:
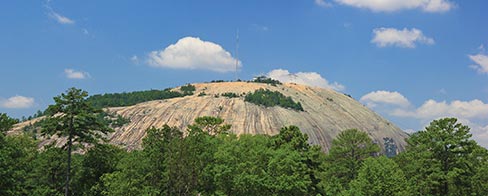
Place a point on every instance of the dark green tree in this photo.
(345, 156)
(16, 155)
(210, 125)
(379, 176)
(441, 159)
(6, 123)
(73, 118)
(99, 160)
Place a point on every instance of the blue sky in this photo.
(410, 60)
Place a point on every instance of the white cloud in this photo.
(472, 113)
(481, 61)
(193, 53)
(322, 3)
(384, 97)
(431, 109)
(396, 5)
(306, 78)
(405, 38)
(59, 18)
(73, 74)
(17, 102)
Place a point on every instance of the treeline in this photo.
(266, 80)
(441, 160)
(132, 98)
(269, 98)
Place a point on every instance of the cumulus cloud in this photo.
(384, 97)
(431, 109)
(306, 78)
(396, 5)
(193, 53)
(405, 38)
(322, 3)
(73, 74)
(17, 102)
(481, 62)
(473, 113)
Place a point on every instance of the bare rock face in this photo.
(326, 113)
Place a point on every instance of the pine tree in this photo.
(72, 117)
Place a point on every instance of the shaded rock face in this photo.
(326, 114)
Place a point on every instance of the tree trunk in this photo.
(68, 170)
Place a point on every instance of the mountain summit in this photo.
(323, 113)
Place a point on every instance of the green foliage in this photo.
(292, 137)
(99, 160)
(208, 160)
(49, 173)
(187, 89)
(132, 98)
(201, 94)
(266, 80)
(210, 125)
(16, 156)
(217, 81)
(73, 117)
(269, 98)
(379, 176)
(348, 151)
(230, 95)
(112, 119)
(441, 159)
(6, 123)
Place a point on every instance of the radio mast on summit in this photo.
(237, 53)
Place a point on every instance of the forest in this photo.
(207, 159)
(132, 98)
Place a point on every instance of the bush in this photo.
(269, 98)
(230, 95)
(266, 80)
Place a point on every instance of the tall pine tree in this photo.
(72, 117)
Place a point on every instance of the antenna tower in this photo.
(237, 54)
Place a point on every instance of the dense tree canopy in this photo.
(348, 151)
(132, 98)
(442, 159)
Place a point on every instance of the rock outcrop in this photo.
(326, 113)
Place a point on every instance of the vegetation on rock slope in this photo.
(269, 98)
(132, 98)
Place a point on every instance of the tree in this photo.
(16, 155)
(441, 159)
(74, 118)
(99, 160)
(345, 156)
(379, 176)
(210, 125)
(6, 123)
(292, 137)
